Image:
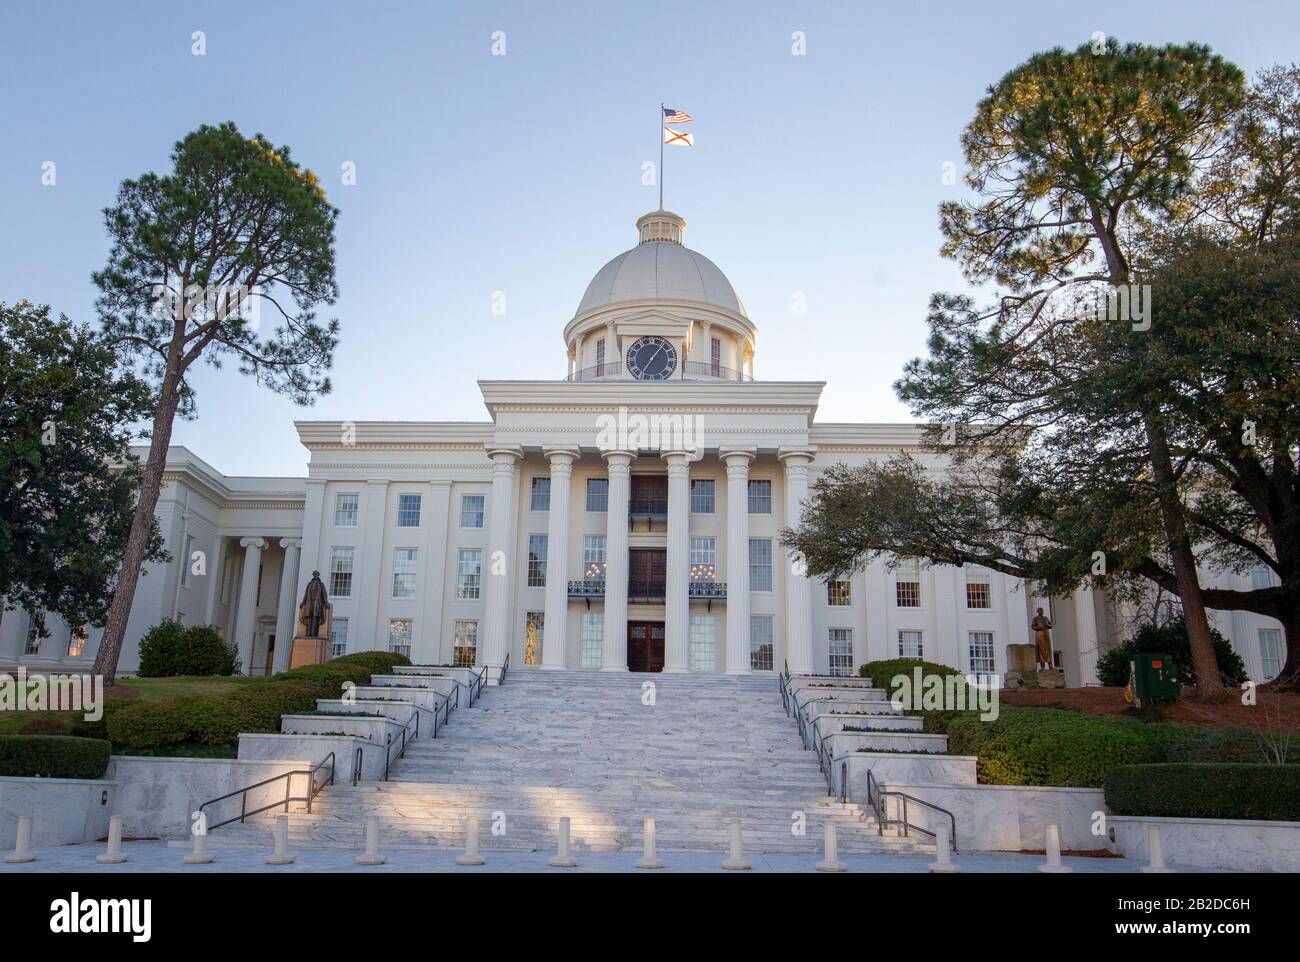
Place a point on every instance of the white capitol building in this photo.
(625, 517)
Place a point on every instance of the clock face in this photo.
(651, 359)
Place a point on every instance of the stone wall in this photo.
(1235, 845)
(64, 811)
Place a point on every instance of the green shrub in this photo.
(53, 756)
(170, 649)
(45, 725)
(882, 672)
(1182, 790)
(82, 728)
(1168, 639)
(1220, 746)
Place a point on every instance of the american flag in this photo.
(676, 116)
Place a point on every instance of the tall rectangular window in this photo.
(909, 644)
(465, 643)
(593, 639)
(338, 637)
(469, 570)
(704, 558)
(598, 494)
(1270, 652)
(908, 584)
(534, 624)
(593, 556)
(32, 646)
(839, 593)
(702, 492)
(703, 642)
(715, 357)
(760, 496)
(404, 566)
(600, 357)
(841, 651)
(978, 593)
(1260, 577)
(471, 510)
(537, 560)
(541, 495)
(760, 642)
(346, 507)
(341, 572)
(186, 560)
(408, 510)
(760, 564)
(77, 639)
(399, 636)
(981, 652)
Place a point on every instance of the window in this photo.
(600, 357)
(533, 626)
(715, 357)
(760, 564)
(702, 496)
(703, 632)
(408, 510)
(257, 601)
(465, 644)
(77, 640)
(345, 510)
(704, 558)
(977, 587)
(338, 637)
(909, 644)
(186, 560)
(598, 494)
(981, 652)
(760, 497)
(341, 572)
(908, 587)
(33, 644)
(593, 639)
(760, 642)
(841, 651)
(593, 556)
(537, 561)
(839, 594)
(399, 636)
(1260, 578)
(404, 572)
(1270, 652)
(469, 568)
(471, 510)
(541, 500)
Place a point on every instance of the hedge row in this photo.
(53, 756)
(1183, 790)
(146, 726)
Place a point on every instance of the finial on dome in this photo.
(660, 225)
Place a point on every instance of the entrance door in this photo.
(645, 646)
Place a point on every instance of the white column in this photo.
(616, 560)
(677, 603)
(798, 587)
(428, 647)
(286, 620)
(554, 634)
(737, 462)
(313, 511)
(367, 572)
(1085, 622)
(246, 613)
(495, 574)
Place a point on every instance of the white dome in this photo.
(660, 268)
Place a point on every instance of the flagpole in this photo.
(661, 155)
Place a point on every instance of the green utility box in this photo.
(1155, 678)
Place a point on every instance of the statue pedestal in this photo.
(308, 649)
(1051, 678)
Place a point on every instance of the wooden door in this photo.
(645, 646)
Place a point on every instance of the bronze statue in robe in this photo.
(1042, 626)
(312, 609)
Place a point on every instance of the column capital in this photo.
(678, 459)
(796, 456)
(737, 456)
(618, 458)
(288, 543)
(503, 453)
(258, 543)
(558, 456)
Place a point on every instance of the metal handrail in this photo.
(388, 755)
(876, 796)
(505, 667)
(356, 766)
(312, 791)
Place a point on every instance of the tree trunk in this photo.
(1289, 676)
(128, 573)
(1209, 683)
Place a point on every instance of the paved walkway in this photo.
(158, 857)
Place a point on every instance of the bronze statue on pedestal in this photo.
(314, 605)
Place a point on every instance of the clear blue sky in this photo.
(522, 173)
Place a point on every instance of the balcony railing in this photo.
(598, 373)
(649, 591)
(690, 371)
(647, 507)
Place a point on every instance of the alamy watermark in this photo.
(633, 432)
(920, 691)
(51, 692)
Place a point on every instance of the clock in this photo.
(651, 359)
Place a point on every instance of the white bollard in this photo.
(943, 850)
(281, 854)
(200, 854)
(23, 844)
(562, 858)
(832, 861)
(1053, 863)
(114, 854)
(1156, 846)
(736, 860)
(371, 855)
(471, 856)
(649, 857)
